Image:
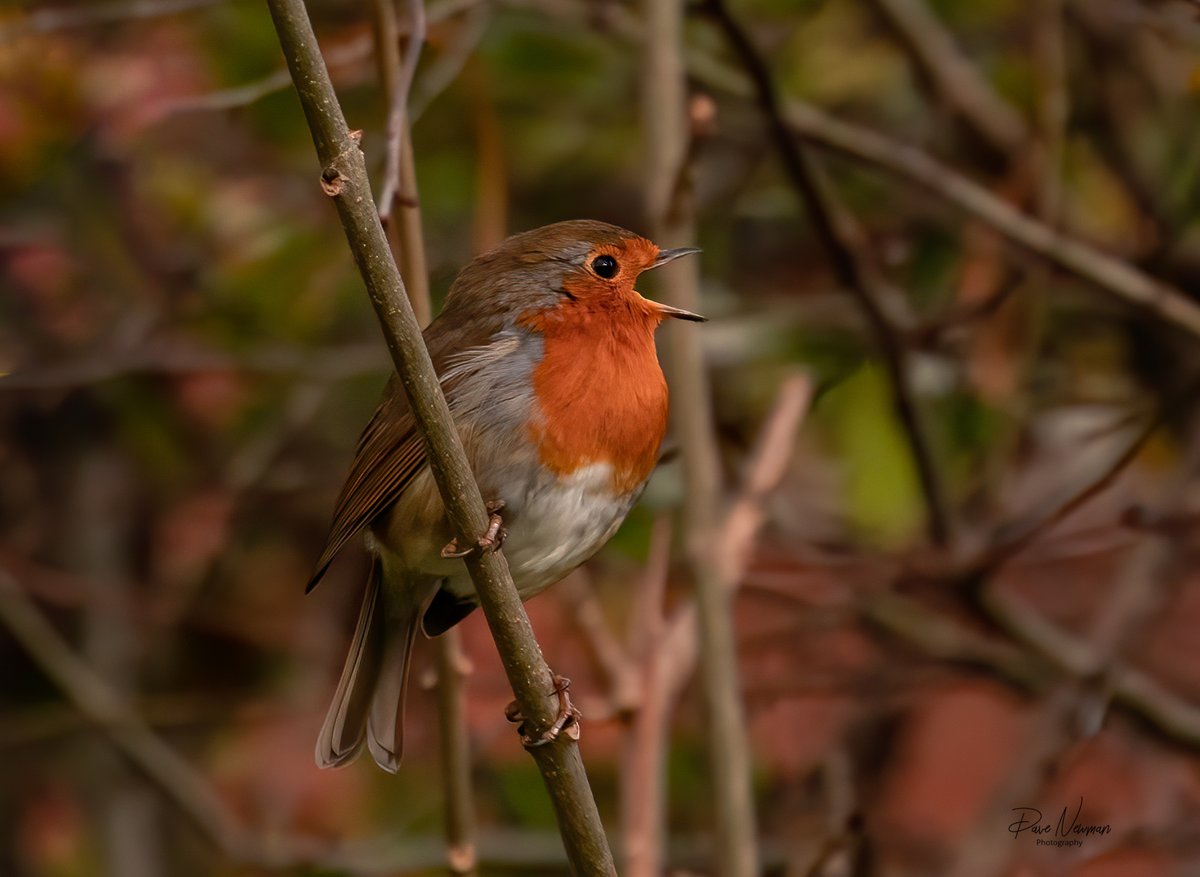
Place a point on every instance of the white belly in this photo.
(553, 525)
(562, 523)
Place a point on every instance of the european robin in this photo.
(546, 355)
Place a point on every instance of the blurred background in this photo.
(968, 582)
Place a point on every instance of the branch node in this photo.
(333, 181)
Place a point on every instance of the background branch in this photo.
(668, 130)
(407, 237)
(93, 697)
(1106, 272)
(853, 263)
(399, 72)
(48, 20)
(643, 756)
(955, 79)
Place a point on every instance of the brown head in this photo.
(578, 268)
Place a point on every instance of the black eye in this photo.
(606, 267)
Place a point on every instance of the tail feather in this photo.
(344, 729)
(368, 705)
(385, 723)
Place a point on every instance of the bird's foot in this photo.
(567, 720)
(492, 539)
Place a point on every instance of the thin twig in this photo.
(41, 21)
(1017, 536)
(406, 236)
(643, 759)
(852, 259)
(108, 711)
(344, 55)
(746, 516)
(620, 671)
(398, 83)
(344, 179)
(1106, 272)
(450, 61)
(734, 543)
(455, 751)
(953, 76)
(1114, 276)
(646, 618)
(168, 357)
(672, 649)
(928, 332)
(950, 640)
(341, 55)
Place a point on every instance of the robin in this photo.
(546, 355)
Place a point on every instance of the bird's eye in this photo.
(606, 267)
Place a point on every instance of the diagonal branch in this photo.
(102, 706)
(1013, 538)
(1109, 273)
(344, 179)
(345, 54)
(852, 259)
(953, 76)
(399, 72)
(616, 664)
(1113, 275)
(355, 49)
(947, 639)
(42, 21)
(400, 174)
(1026, 530)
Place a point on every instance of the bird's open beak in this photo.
(665, 256)
(679, 313)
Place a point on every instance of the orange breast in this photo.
(602, 395)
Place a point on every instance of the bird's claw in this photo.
(492, 539)
(567, 720)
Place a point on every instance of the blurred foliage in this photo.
(190, 358)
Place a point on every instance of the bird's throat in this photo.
(601, 395)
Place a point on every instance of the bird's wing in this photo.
(390, 451)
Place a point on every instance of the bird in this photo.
(546, 355)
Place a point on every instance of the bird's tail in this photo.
(369, 701)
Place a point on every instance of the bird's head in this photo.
(567, 270)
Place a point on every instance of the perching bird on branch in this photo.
(546, 355)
